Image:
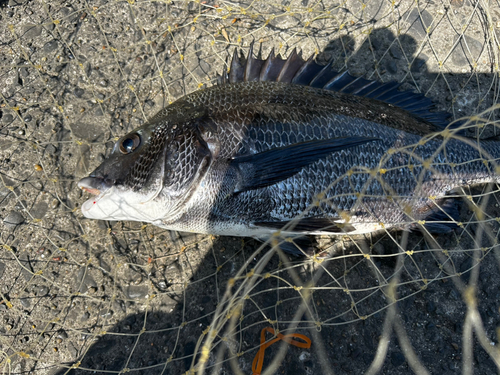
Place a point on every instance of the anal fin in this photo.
(298, 245)
(443, 217)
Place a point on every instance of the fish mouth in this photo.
(89, 189)
(98, 187)
(94, 185)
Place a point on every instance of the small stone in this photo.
(32, 32)
(50, 47)
(392, 67)
(106, 313)
(2, 269)
(137, 279)
(85, 316)
(62, 334)
(136, 292)
(105, 266)
(7, 118)
(86, 130)
(466, 51)
(395, 51)
(118, 304)
(39, 210)
(78, 92)
(420, 21)
(57, 127)
(73, 352)
(28, 118)
(50, 149)
(85, 335)
(82, 165)
(102, 224)
(23, 72)
(84, 280)
(418, 63)
(54, 204)
(44, 253)
(205, 67)
(137, 35)
(397, 359)
(42, 291)
(25, 302)
(13, 219)
(27, 269)
(20, 205)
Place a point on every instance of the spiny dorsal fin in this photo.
(273, 66)
(296, 70)
(253, 67)
(292, 65)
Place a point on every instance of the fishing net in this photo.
(79, 296)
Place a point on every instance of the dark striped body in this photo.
(290, 143)
(357, 181)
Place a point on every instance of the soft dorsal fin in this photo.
(309, 73)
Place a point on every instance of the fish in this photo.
(291, 147)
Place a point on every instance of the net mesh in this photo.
(81, 296)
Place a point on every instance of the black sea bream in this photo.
(290, 143)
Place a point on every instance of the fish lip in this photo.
(94, 185)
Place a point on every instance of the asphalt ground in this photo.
(83, 297)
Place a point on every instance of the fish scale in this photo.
(249, 156)
(315, 177)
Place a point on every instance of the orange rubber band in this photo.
(258, 361)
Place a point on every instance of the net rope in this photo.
(79, 296)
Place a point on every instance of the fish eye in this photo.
(129, 144)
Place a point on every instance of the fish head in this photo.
(149, 175)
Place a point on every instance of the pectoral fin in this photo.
(269, 167)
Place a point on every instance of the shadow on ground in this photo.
(158, 342)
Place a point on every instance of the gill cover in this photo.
(150, 173)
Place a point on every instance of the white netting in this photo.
(81, 296)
